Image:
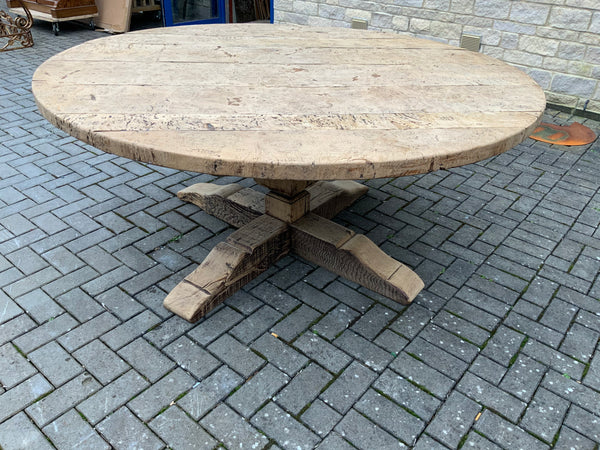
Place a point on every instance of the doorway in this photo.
(187, 12)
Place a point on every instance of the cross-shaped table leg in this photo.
(293, 216)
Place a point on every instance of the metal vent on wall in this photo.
(360, 24)
(470, 42)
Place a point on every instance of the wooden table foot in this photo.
(295, 222)
(245, 254)
(237, 205)
(353, 256)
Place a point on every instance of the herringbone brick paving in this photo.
(500, 350)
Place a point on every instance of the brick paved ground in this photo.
(499, 351)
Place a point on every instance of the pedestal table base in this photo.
(293, 216)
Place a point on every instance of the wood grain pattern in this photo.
(231, 264)
(354, 257)
(287, 102)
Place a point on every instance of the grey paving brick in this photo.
(390, 416)
(279, 354)
(205, 395)
(503, 345)
(412, 321)
(436, 357)
(257, 390)
(123, 430)
(320, 418)
(62, 259)
(26, 260)
(131, 329)
(161, 394)
(553, 358)
(15, 327)
(39, 305)
(322, 352)
(489, 395)
(295, 323)
(88, 331)
(364, 434)
(179, 431)
(533, 329)
(582, 301)
(70, 281)
(592, 378)
(45, 333)
(287, 431)
(119, 303)
(334, 441)
(99, 259)
(349, 296)
(454, 419)
(243, 302)
(487, 369)
(22, 395)
(390, 341)
(31, 282)
(8, 307)
(104, 364)
(79, 305)
(214, 325)
(112, 396)
(458, 326)
(580, 342)
(71, 431)
(62, 399)
(569, 389)
(255, 324)
(505, 433)
(145, 279)
(558, 315)
(454, 345)
(275, 297)
(55, 363)
(290, 274)
(232, 429)
(348, 387)
(108, 280)
(303, 388)
(407, 394)
(477, 441)
(423, 375)
(146, 359)
(133, 258)
(236, 355)
(167, 331)
(191, 357)
(427, 442)
(368, 353)
(523, 377)
(14, 367)
(544, 415)
(335, 321)
(569, 439)
(479, 301)
(19, 433)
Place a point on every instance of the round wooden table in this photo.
(290, 107)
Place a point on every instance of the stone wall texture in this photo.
(557, 42)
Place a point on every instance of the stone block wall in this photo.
(557, 42)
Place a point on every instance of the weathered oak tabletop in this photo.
(287, 106)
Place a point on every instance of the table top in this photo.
(287, 102)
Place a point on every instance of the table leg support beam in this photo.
(245, 254)
(353, 256)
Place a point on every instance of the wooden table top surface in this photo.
(287, 102)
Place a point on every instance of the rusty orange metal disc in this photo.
(574, 134)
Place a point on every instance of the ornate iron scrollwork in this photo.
(17, 30)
